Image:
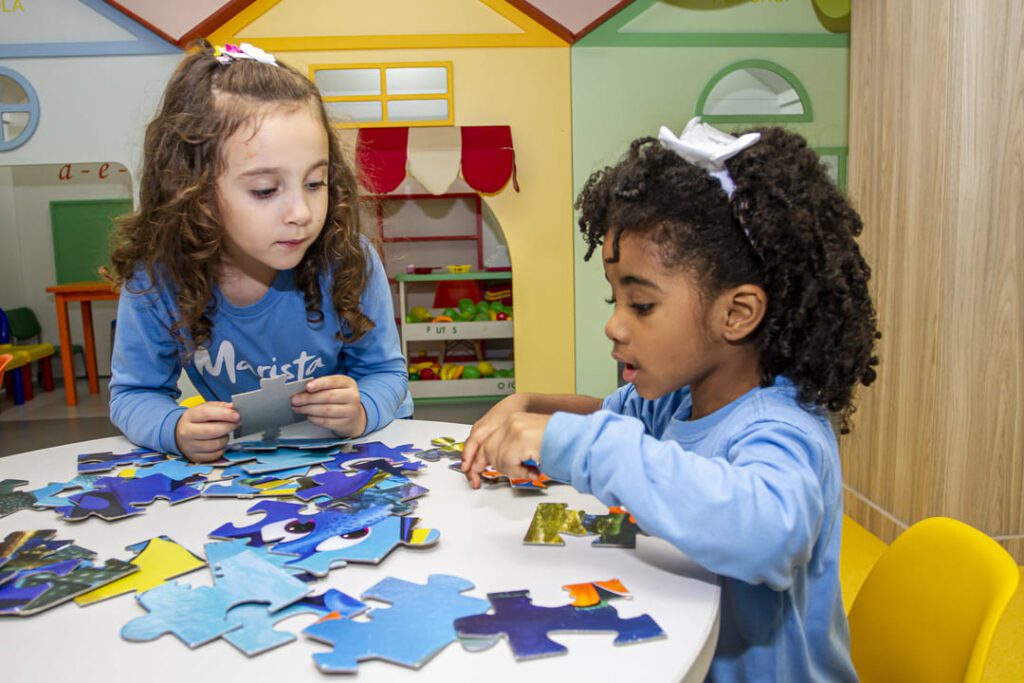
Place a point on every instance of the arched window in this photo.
(19, 109)
(754, 91)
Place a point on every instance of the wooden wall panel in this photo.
(937, 173)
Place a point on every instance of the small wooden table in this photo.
(85, 293)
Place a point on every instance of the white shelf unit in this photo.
(452, 331)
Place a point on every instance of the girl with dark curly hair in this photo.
(244, 261)
(741, 318)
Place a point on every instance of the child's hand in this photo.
(333, 402)
(492, 420)
(203, 431)
(515, 439)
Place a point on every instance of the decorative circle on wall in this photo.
(19, 109)
(754, 90)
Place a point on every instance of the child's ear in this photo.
(743, 309)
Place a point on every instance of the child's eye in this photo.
(610, 301)
(316, 185)
(263, 193)
(642, 309)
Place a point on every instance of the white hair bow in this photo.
(229, 53)
(708, 148)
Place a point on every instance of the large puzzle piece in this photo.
(280, 520)
(256, 633)
(11, 501)
(199, 615)
(48, 498)
(614, 530)
(115, 497)
(366, 454)
(416, 627)
(370, 545)
(36, 590)
(158, 560)
(527, 626)
(334, 484)
(91, 463)
(268, 408)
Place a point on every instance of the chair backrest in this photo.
(930, 606)
(24, 324)
(5, 329)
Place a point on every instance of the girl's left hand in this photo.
(515, 440)
(333, 402)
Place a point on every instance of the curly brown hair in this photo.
(177, 234)
(787, 229)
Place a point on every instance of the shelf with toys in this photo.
(466, 321)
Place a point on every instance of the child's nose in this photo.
(298, 211)
(614, 329)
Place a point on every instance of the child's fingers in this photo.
(206, 431)
(328, 396)
(330, 382)
(215, 411)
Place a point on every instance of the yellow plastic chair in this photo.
(858, 554)
(930, 606)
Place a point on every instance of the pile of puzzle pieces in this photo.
(447, 448)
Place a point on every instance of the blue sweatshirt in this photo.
(266, 339)
(752, 492)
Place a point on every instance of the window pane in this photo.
(753, 91)
(420, 80)
(348, 82)
(11, 91)
(418, 110)
(354, 112)
(13, 123)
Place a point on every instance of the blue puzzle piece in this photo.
(219, 551)
(115, 497)
(47, 496)
(527, 626)
(275, 461)
(281, 520)
(256, 633)
(15, 596)
(334, 484)
(199, 615)
(11, 501)
(363, 455)
(300, 444)
(90, 463)
(176, 470)
(328, 527)
(397, 497)
(371, 545)
(416, 627)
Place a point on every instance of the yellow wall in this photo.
(527, 89)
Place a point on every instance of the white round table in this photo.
(481, 540)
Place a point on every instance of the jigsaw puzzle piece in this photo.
(334, 484)
(327, 528)
(15, 596)
(552, 519)
(90, 463)
(614, 530)
(299, 443)
(43, 555)
(199, 615)
(416, 627)
(444, 447)
(47, 496)
(174, 469)
(12, 501)
(258, 462)
(114, 497)
(526, 626)
(268, 408)
(256, 633)
(280, 520)
(367, 454)
(219, 551)
(391, 492)
(20, 541)
(368, 545)
(158, 560)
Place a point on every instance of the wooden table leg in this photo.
(90, 348)
(66, 355)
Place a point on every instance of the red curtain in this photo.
(381, 154)
(488, 160)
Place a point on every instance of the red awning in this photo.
(435, 157)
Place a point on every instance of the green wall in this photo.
(623, 92)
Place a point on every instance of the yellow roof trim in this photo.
(534, 34)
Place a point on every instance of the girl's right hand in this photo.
(203, 431)
(492, 420)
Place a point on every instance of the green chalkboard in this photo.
(81, 236)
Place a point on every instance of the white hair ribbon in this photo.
(231, 53)
(708, 148)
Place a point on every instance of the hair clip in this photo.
(708, 148)
(232, 53)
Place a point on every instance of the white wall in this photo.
(32, 190)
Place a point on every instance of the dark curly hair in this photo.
(787, 229)
(177, 233)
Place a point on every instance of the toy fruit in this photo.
(497, 306)
(471, 372)
(427, 373)
(466, 305)
(505, 372)
(482, 307)
(486, 369)
(481, 317)
(450, 312)
(419, 314)
(443, 319)
(501, 315)
(465, 316)
(413, 376)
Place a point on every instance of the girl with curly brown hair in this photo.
(741, 318)
(244, 261)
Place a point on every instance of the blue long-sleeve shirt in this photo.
(266, 339)
(752, 492)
